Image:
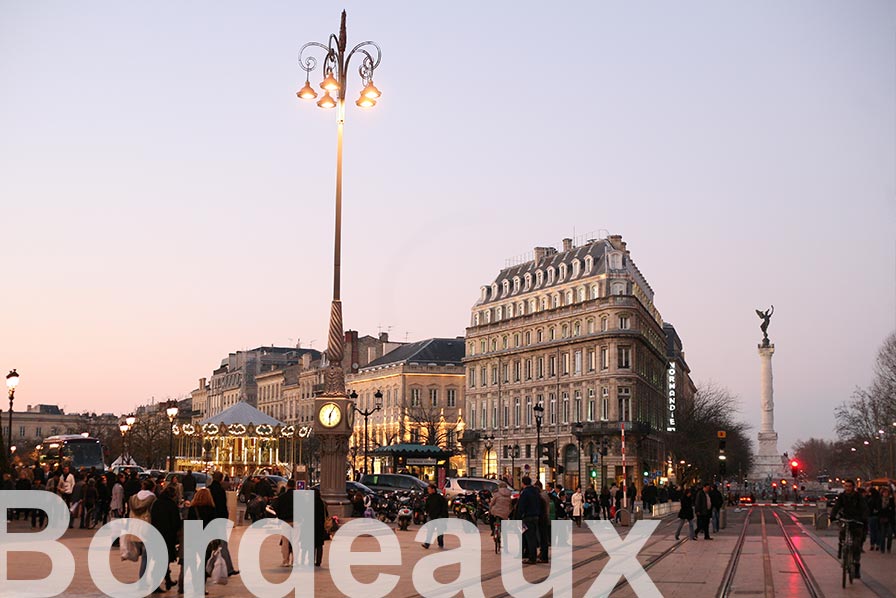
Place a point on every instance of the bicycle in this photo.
(496, 534)
(845, 548)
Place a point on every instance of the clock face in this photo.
(330, 415)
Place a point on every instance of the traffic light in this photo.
(795, 468)
(548, 452)
(783, 483)
(604, 446)
(593, 473)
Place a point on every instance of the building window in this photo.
(576, 266)
(625, 357)
(539, 335)
(577, 329)
(539, 278)
(552, 366)
(527, 338)
(37, 432)
(618, 288)
(499, 313)
(581, 294)
(528, 451)
(624, 322)
(450, 439)
(472, 375)
(591, 404)
(577, 363)
(564, 364)
(562, 276)
(625, 404)
(21, 431)
(605, 404)
(528, 369)
(516, 412)
(552, 333)
(552, 409)
(555, 301)
(591, 360)
(551, 275)
(494, 374)
(504, 342)
(415, 397)
(539, 367)
(565, 407)
(603, 324)
(569, 297)
(452, 397)
(434, 397)
(577, 407)
(595, 293)
(516, 339)
(494, 416)
(527, 281)
(484, 415)
(506, 415)
(564, 331)
(604, 358)
(528, 411)
(483, 344)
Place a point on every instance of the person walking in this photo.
(686, 513)
(201, 508)
(284, 509)
(219, 496)
(321, 534)
(592, 500)
(703, 510)
(544, 524)
(717, 500)
(874, 505)
(116, 502)
(436, 507)
(605, 501)
(189, 485)
(887, 519)
(529, 507)
(65, 486)
(578, 506)
(164, 515)
(89, 498)
(139, 507)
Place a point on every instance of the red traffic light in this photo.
(774, 484)
(794, 463)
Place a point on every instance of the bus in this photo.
(76, 451)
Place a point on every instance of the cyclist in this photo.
(500, 507)
(851, 505)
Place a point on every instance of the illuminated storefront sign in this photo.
(670, 395)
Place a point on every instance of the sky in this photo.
(166, 199)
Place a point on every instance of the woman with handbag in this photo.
(201, 508)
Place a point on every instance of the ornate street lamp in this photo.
(12, 380)
(488, 438)
(171, 411)
(579, 433)
(366, 413)
(539, 414)
(335, 66)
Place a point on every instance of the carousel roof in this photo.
(241, 413)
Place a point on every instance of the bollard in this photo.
(638, 514)
(723, 518)
(821, 519)
(232, 507)
(625, 517)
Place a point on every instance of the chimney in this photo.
(567, 244)
(201, 383)
(542, 252)
(306, 361)
(617, 242)
(384, 337)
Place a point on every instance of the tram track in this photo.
(731, 569)
(809, 580)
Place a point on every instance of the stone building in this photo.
(422, 388)
(575, 331)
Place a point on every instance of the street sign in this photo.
(424, 461)
(526, 467)
(300, 484)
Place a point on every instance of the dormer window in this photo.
(589, 264)
(516, 284)
(539, 278)
(494, 291)
(562, 272)
(576, 267)
(484, 294)
(551, 273)
(505, 287)
(527, 281)
(616, 261)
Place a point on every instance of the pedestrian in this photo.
(592, 501)
(436, 508)
(703, 510)
(178, 489)
(219, 496)
(874, 505)
(686, 513)
(201, 508)
(65, 486)
(76, 500)
(189, 484)
(529, 507)
(38, 516)
(165, 517)
(605, 501)
(89, 498)
(116, 502)
(131, 487)
(139, 508)
(887, 519)
(284, 508)
(717, 500)
(578, 506)
(544, 524)
(321, 534)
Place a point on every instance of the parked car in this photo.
(457, 486)
(277, 482)
(352, 487)
(127, 469)
(390, 482)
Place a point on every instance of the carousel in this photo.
(238, 441)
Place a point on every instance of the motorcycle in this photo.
(465, 507)
(419, 509)
(387, 509)
(404, 512)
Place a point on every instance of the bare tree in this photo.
(148, 440)
(696, 440)
(427, 421)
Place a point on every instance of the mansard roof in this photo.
(241, 413)
(440, 351)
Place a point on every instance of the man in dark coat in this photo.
(715, 496)
(221, 512)
(529, 508)
(436, 507)
(703, 510)
(320, 527)
(189, 484)
(164, 515)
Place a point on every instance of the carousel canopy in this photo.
(241, 413)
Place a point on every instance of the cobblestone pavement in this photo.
(687, 569)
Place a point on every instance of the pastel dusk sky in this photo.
(166, 198)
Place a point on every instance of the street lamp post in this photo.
(539, 414)
(12, 380)
(579, 434)
(335, 67)
(366, 413)
(488, 452)
(514, 455)
(171, 412)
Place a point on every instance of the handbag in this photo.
(75, 509)
(216, 569)
(128, 549)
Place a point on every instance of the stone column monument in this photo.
(768, 463)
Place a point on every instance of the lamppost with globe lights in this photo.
(12, 380)
(539, 414)
(124, 428)
(489, 443)
(366, 413)
(335, 67)
(171, 411)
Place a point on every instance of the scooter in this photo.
(404, 512)
(419, 510)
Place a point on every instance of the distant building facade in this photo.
(575, 331)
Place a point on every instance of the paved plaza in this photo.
(679, 569)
